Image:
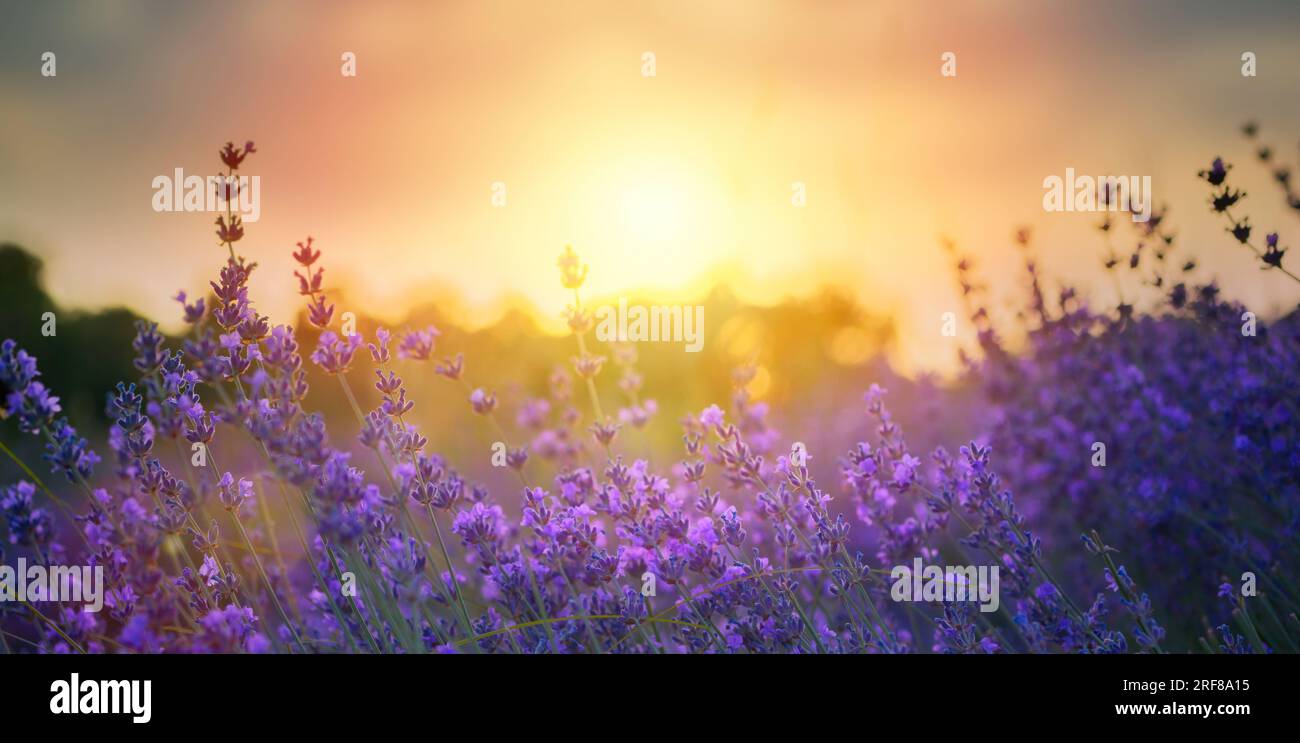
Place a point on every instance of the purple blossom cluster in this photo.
(730, 545)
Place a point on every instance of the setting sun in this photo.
(654, 211)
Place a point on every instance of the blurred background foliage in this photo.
(809, 352)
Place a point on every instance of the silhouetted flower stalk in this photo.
(1223, 202)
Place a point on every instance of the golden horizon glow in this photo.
(665, 185)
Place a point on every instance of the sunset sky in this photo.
(667, 183)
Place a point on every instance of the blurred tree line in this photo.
(88, 354)
(813, 355)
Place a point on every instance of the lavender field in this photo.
(577, 328)
(1132, 481)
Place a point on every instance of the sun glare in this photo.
(652, 220)
(655, 211)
